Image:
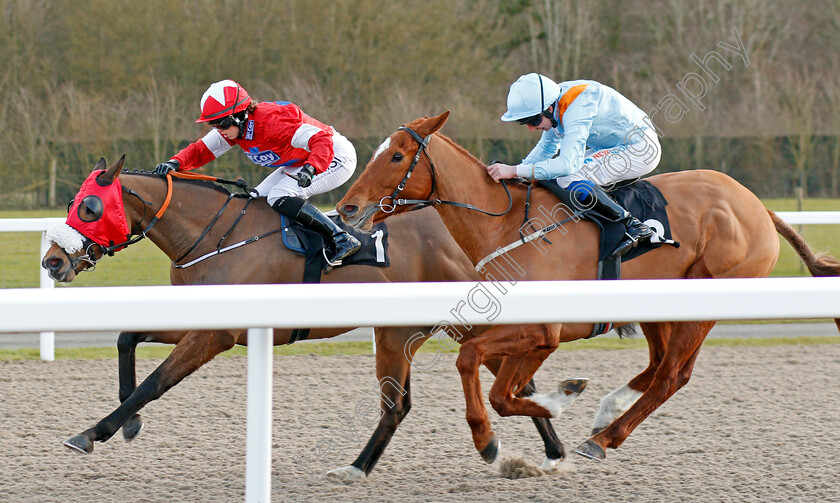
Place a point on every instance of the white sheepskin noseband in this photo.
(66, 237)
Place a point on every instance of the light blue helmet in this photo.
(529, 96)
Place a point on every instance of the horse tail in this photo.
(819, 264)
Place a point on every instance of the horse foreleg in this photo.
(193, 351)
(569, 390)
(672, 374)
(554, 450)
(514, 374)
(617, 402)
(395, 347)
(126, 350)
(499, 342)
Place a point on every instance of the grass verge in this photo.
(366, 348)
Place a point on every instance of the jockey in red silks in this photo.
(592, 137)
(308, 157)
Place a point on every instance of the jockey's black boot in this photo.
(635, 231)
(338, 243)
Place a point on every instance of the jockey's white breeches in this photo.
(624, 162)
(278, 184)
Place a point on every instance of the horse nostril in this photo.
(52, 263)
(349, 210)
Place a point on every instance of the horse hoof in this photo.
(573, 386)
(79, 444)
(346, 473)
(591, 450)
(132, 428)
(491, 451)
(549, 464)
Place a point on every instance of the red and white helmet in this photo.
(221, 99)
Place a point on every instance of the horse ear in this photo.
(100, 164)
(433, 124)
(112, 172)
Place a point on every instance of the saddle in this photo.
(645, 202)
(304, 241)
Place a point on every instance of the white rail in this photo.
(227, 306)
(47, 342)
(407, 304)
(810, 217)
(47, 339)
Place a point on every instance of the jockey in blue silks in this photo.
(592, 137)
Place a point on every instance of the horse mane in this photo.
(199, 183)
(466, 153)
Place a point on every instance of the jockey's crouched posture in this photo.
(310, 157)
(592, 137)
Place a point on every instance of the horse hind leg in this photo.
(672, 374)
(616, 403)
(194, 350)
(395, 349)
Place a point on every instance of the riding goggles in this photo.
(533, 121)
(224, 122)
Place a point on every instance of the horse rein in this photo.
(422, 203)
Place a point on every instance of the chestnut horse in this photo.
(724, 231)
(194, 205)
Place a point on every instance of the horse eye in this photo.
(397, 157)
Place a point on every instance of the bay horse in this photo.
(184, 222)
(723, 228)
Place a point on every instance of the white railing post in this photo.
(258, 436)
(47, 338)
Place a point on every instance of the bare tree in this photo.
(797, 97)
(563, 37)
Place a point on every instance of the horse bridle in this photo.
(422, 203)
(90, 256)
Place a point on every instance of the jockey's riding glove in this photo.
(165, 167)
(305, 175)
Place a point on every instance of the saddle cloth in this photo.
(305, 241)
(644, 201)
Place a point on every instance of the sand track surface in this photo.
(754, 424)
